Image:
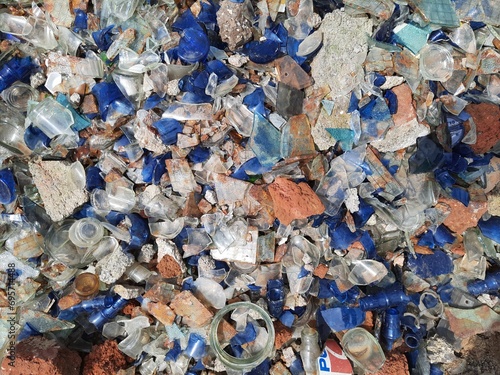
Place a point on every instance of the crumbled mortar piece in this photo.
(234, 23)
(339, 63)
(59, 193)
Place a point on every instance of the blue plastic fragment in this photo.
(196, 346)
(341, 318)
(16, 69)
(430, 265)
(490, 284)
(391, 329)
(193, 45)
(100, 317)
(174, 353)
(383, 300)
(7, 186)
(97, 303)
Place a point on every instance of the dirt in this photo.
(104, 359)
(478, 356)
(40, 356)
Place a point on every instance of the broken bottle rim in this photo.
(241, 363)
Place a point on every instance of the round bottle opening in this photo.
(236, 363)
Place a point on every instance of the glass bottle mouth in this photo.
(235, 362)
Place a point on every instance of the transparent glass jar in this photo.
(241, 364)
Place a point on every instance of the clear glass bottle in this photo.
(309, 350)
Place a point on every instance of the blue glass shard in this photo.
(292, 47)
(393, 101)
(208, 15)
(262, 52)
(94, 179)
(196, 346)
(328, 106)
(344, 136)
(186, 21)
(174, 353)
(255, 102)
(427, 239)
(265, 367)
(193, 46)
(490, 228)
(152, 101)
(220, 69)
(103, 37)
(35, 138)
(428, 156)
(375, 119)
(249, 169)
(7, 186)
(287, 318)
(80, 20)
(379, 79)
(139, 232)
(341, 237)
(16, 69)
(244, 337)
(106, 93)
(341, 318)
(430, 265)
(369, 245)
(168, 130)
(460, 194)
(80, 121)
(198, 154)
(364, 213)
(444, 178)
(265, 141)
